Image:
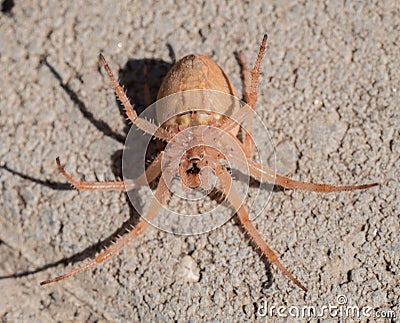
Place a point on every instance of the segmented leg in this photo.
(255, 73)
(244, 75)
(252, 98)
(161, 197)
(249, 98)
(150, 174)
(91, 186)
(235, 200)
(265, 174)
(142, 124)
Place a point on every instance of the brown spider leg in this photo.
(235, 200)
(142, 124)
(249, 98)
(238, 117)
(150, 174)
(244, 75)
(252, 98)
(264, 174)
(255, 73)
(91, 186)
(161, 197)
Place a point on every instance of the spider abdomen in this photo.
(194, 72)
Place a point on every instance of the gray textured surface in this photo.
(330, 95)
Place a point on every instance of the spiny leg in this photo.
(252, 98)
(149, 175)
(255, 73)
(235, 200)
(265, 174)
(90, 186)
(142, 124)
(140, 228)
(266, 250)
(161, 197)
(244, 75)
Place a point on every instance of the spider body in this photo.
(188, 130)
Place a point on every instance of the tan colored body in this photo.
(190, 157)
(194, 72)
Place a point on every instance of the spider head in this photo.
(191, 166)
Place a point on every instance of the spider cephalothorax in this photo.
(191, 167)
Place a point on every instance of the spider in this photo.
(193, 165)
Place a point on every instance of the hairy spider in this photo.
(191, 157)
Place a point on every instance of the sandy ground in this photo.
(329, 94)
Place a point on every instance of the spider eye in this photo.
(196, 159)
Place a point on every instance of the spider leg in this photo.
(161, 197)
(264, 174)
(91, 186)
(150, 174)
(255, 73)
(244, 74)
(235, 200)
(142, 124)
(252, 97)
(249, 98)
